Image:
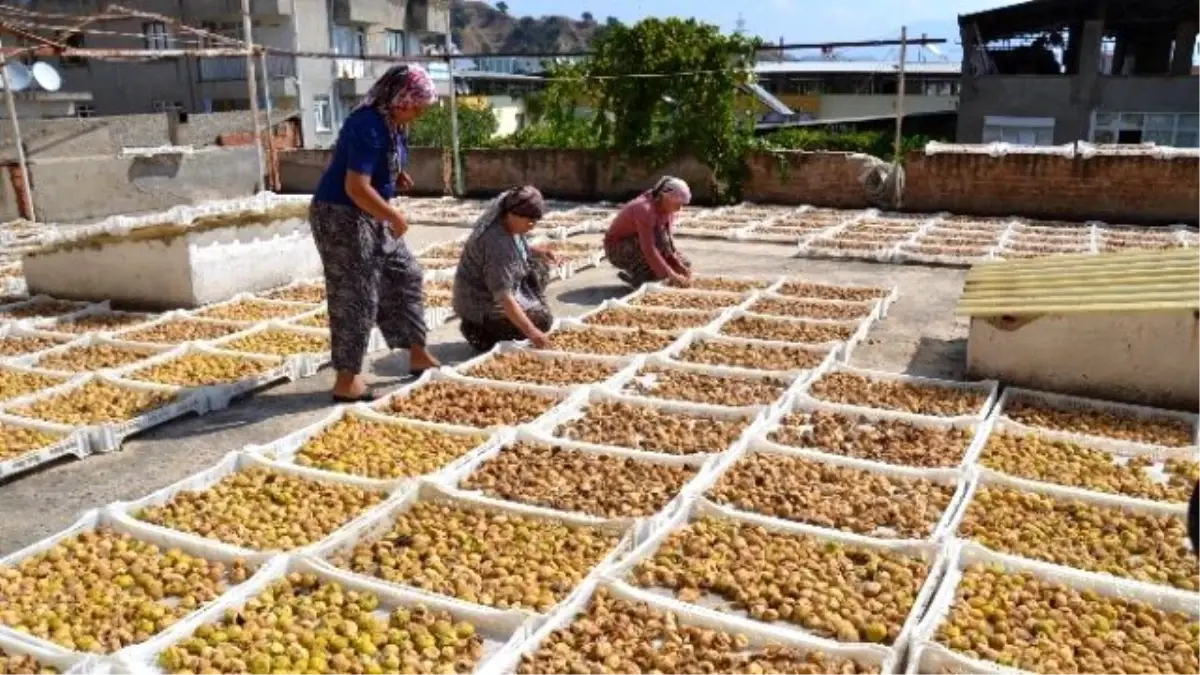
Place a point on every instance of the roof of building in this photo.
(1034, 15)
(771, 126)
(858, 67)
(1128, 281)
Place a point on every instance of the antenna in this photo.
(46, 76)
(740, 25)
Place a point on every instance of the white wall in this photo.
(507, 111)
(840, 106)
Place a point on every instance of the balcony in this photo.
(388, 13)
(204, 10)
(233, 68)
(430, 16)
(355, 76)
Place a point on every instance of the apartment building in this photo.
(323, 90)
(1058, 71)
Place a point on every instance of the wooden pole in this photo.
(26, 191)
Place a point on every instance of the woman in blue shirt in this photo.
(370, 274)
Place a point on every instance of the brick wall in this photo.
(1124, 188)
(1112, 188)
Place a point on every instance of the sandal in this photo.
(367, 396)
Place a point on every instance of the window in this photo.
(1018, 130)
(395, 42)
(75, 41)
(156, 35)
(349, 41)
(322, 113)
(85, 110)
(1167, 129)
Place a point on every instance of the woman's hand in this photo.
(397, 223)
(539, 339)
(680, 280)
(549, 255)
(404, 182)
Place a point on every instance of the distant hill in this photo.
(481, 27)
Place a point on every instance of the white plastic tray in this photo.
(284, 450)
(230, 464)
(1080, 403)
(885, 300)
(109, 436)
(861, 328)
(618, 385)
(301, 364)
(69, 663)
(927, 656)
(565, 325)
(955, 477)
(832, 351)
(732, 300)
(1120, 451)
(80, 308)
(702, 318)
(930, 552)
(984, 477)
(498, 629)
(92, 340)
(95, 310)
(218, 396)
(622, 364)
(90, 521)
(453, 477)
(989, 388)
(759, 635)
(174, 316)
(577, 408)
(295, 308)
(564, 395)
(381, 520)
(871, 307)
(797, 403)
(73, 442)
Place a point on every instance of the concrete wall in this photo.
(843, 106)
(79, 189)
(1069, 100)
(69, 137)
(300, 170)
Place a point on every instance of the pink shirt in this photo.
(639, 218)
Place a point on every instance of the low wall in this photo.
(1114, 188)
(300, 171)
(85, 188)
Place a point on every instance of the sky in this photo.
(793, 20)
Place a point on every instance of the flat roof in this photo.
(1126, 281)
(856, 67)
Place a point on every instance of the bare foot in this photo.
(419, 359)
(349, 385)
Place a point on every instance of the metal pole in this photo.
(900, 98)
(262, 61)
(26, 192)
(252, 91)
(459, 188)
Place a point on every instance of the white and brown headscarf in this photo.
(402, 86)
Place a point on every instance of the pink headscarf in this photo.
(403, 86)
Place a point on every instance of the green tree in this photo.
(660, 89)
(502, 6)
(475, 127)
(588, 18)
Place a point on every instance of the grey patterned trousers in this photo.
(370, 277)
(626, 255)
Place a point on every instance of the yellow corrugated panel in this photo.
(1133, 281)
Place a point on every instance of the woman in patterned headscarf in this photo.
(499, 287)
(639, 241)
(370, 274)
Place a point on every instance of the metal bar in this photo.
(26, 191)
(252, 91)
(456, 158)
(272, 176)
(898, 140)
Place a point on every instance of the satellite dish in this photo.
(19, 77)
(46, 76)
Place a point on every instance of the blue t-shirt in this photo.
(362, 147)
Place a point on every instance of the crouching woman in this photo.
(500, 284)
